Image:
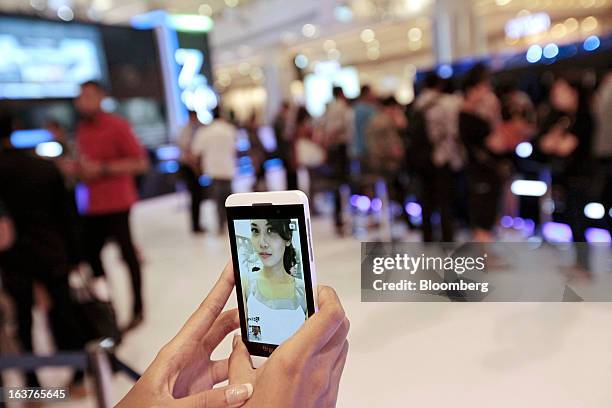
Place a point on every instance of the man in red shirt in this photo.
(110, 156)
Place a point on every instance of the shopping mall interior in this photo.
(125, 124)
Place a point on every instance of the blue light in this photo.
(205, 180)
(534, 54)
(376, 204)
(557, 232)
(591, 43)
(363, 203)
(168, 152)
(551, 50)
(28, 139)
(168, 167)
(245, 161)
(507, 221)
(414, 209)
(343, 14)
(149, 20)
(518, 223)
(271, 164)
(445, 71)
(594, 235)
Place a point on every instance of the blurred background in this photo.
(403, 120)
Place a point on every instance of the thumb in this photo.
(240, 369)
(223, 397)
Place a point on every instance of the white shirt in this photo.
(216, 144)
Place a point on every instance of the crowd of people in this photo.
(452, 149)
(456, 147)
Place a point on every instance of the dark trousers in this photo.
(220, 190)
(97, 230)
(578, 194)
(18, 278)
(338, 162)
(195, 190)
(437, 194)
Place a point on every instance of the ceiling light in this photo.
(329, 45)
(205, 10)
(589, 24)
(231, 3)
(39, 5)
(65, 13)
(502, 2)
(309, 30)
(571, 24)
(415, 34)
(367, 35)
(558, 31)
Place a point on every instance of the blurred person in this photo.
(66, 161)
(306, 153)
(257, 151)
(435, 135)
(305, 371)
(603, 141)
(44, 248)
(215, 145)
(284, 143)
(190, 169)
(7, 232)
(479, 117)
(364, 109)
(337, 129)
(567, 140)
(384, 145)
(110, 156)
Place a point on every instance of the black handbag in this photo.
(97, 317)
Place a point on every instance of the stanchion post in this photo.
(385, 211)
(101, 370)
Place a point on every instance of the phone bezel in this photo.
(269, 211)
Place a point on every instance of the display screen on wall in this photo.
(45, 59)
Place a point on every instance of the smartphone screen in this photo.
(272, 270)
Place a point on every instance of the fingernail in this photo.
(237, 394)
(235, 340)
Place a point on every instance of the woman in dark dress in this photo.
(566, 141)
(478, 119)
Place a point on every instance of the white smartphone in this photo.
(274, 268)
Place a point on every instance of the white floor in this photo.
(402, 354)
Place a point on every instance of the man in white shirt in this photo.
(190, 168)
(215, 144)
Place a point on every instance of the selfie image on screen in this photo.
(271, 275)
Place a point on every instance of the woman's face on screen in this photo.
(267, 243)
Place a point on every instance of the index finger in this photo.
(203, 318)
(321, 326)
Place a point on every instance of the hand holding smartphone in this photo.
(274, 268)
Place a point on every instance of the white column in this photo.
(457, 31)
